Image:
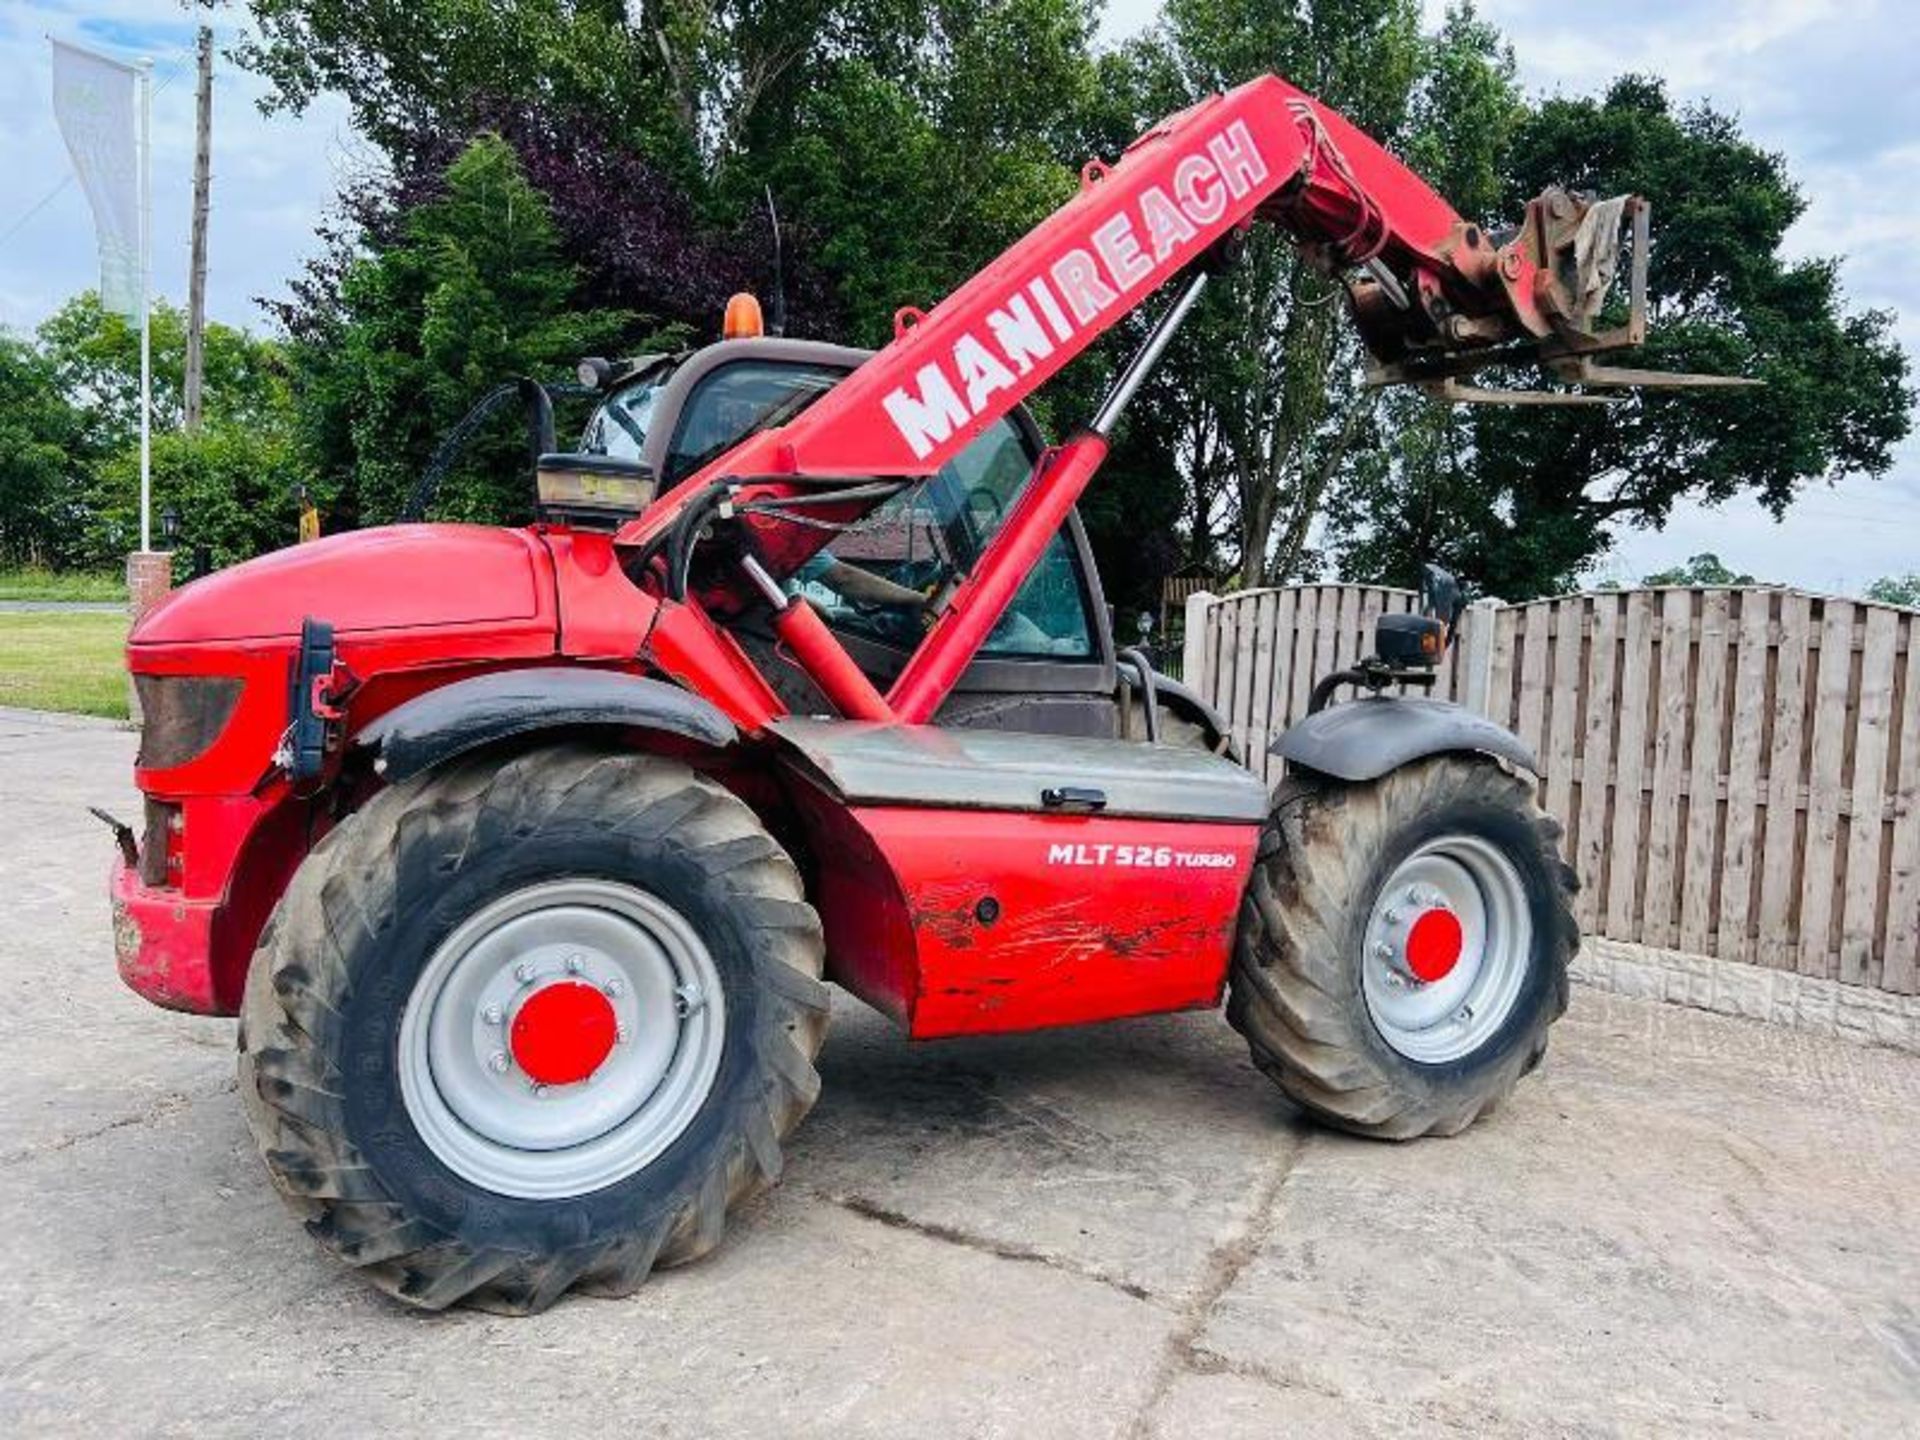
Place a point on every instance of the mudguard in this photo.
(463, 716)
(1365, 739)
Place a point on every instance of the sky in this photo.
(1832, 84)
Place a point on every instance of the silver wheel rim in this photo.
(484, 1116)
(1444, 1019)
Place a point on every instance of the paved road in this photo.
(62, 607)
(1684, 1224)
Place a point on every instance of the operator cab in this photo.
(1049, 665)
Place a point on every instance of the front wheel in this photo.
(1403, 946)
(528, 1025)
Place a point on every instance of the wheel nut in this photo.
(524, 972)
(1383, 951)
(616, 988)
(498, 1062)
(493, 1014)
(620, 1033)
(575, 964)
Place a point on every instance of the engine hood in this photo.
(400, 577)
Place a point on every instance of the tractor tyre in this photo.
(528, 1025)
(1403, 945)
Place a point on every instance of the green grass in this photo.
(73, 662)
(36, 584)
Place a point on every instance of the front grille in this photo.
(181, 716)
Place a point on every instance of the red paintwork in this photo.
(806, 635)
(1433, 945)
(421, 606)
(562, 1033)
(406, 578)
(1087, 917)
(163, 944)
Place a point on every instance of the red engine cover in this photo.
(402, 578)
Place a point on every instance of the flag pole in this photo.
(146, 304)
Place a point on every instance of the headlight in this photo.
(181, 716)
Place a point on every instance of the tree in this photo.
(69, 487)
(233, 486)
(472, 292)
(1521, 500)
(1896, 590)
(1703, 569)
(95, 355)
(44, 453)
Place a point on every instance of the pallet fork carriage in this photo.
(524, 854)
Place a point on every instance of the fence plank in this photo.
(1674, 630)
(1596, 762)
(1246, 620)
(1260, 691)
(1506, 632)
(1900, 966)
(1272, 656)
(1636, 664)
(1564, 714)
(1530, 712)
(1866, 824)
(1739, 854)
(1779, 874)
(1699, 867)
(1193, 641)
(1306, 641)
(1825, 780)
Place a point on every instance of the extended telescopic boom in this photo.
(1432, 294)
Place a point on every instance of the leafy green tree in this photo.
(95, 355)
(87, 404)
(1703, 569)
(1896, 590)
(1521, 500)
(44, 456)
(471, 293)
(233, 486)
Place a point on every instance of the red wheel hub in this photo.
(564, 1033)
(1433, 945)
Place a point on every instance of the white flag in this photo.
(93, 99)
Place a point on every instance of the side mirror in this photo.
(1440, 596)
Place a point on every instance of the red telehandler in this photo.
(524, 855)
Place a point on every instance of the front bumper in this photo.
(163, 944)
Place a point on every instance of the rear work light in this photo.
(181, 716)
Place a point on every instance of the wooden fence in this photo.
(1738, 771)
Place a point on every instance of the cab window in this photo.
(736, 401)
(883, 579)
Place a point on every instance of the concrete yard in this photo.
(1683, 1225)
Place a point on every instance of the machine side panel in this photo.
(1021, 921)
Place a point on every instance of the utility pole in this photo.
(197, 270)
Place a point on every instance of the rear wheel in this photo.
(1403, 946)
(524, 1026)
